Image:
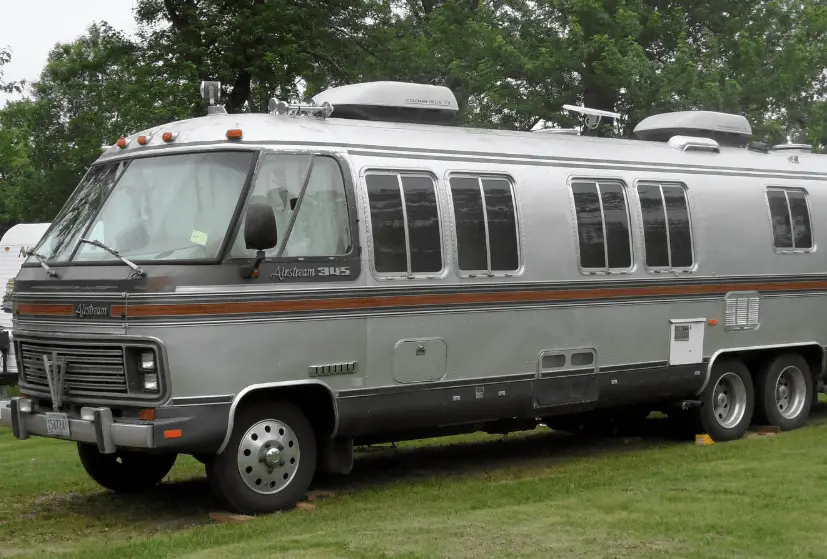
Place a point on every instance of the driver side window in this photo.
(322, 224)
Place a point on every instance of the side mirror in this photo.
(260, 230)
(260, 233)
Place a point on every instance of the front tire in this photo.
(269, 462)
(784, 392)
(728, 401)
(125, 471)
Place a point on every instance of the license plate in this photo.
(57, 424)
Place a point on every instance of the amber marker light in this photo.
(172, 434)
(234, 134)
(168, 137)
(143, 140)
(713, 322)
(147, 414)
(121, 143)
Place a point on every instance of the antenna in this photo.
(593, 116)
(210, 90)
(281, 107)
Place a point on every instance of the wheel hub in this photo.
(790, 392)
(729, 400)
(272, 458)
(268, 456)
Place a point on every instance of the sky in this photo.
(32, 27)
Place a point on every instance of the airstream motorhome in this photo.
(265, 291)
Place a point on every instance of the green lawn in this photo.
(543, 495)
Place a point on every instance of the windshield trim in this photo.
(232, 226)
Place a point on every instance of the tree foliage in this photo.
(511, 64)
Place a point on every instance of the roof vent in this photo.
(793, 148)
(726, 129)
(392, 102)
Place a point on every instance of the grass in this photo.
(537, 495)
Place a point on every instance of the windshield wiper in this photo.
(42, 259)
(138, 270)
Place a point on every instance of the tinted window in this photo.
(602, 225)
(502, 224)
(680, 236)
(404, 220)
(781, 231)
(802, 234)
(387, 223)
(667, 234)
(423, 224)
(470, 223)
(616, 218)
(589, 225)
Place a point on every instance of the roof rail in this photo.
(799, 148)
(562, 131)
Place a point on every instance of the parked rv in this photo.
(265, 291)
(14, 245)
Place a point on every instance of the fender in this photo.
(269, 385)
(720, 352)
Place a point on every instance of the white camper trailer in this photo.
(13, 247)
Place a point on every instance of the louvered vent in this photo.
(742, 310)
(682, 333)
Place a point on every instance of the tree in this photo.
(256, 48)
(7, 87)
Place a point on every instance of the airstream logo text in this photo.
(282, 273)
(83, 310)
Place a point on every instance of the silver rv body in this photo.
(526, 277)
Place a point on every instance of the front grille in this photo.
(89, 369)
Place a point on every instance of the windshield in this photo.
(153, 208)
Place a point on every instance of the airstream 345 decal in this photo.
(282, 273)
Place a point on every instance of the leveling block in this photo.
(703, 439)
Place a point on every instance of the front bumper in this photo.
(196, 429)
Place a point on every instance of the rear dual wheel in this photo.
(781, 395)
(784, 392)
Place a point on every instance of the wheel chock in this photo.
(703, 439)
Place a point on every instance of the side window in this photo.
(602, 225)
(790, 218)
(407, 239)
(667, 234)
(486, 224)
(320, 223)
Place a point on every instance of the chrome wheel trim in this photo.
(268, 456)
(790, 392)
(729, 400)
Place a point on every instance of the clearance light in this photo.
(168, 136)
(234, 134)
(172, 434)
(144, 140)
(121, 143)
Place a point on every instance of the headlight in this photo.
(148, 361)
(150, 382)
